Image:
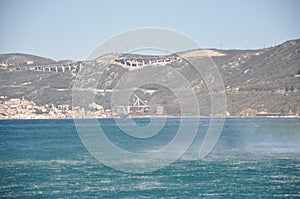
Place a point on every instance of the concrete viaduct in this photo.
(73, 67)
(127, 62)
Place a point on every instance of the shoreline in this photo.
(163, 116)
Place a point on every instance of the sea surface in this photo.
(254, 158)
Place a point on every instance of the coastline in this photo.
(163, 117)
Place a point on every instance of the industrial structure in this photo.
(138, 107)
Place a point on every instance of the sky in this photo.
(65, 29)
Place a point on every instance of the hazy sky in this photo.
(62, 29)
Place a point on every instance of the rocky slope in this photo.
(255, 80)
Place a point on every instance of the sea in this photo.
(253, 158)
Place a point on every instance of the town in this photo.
(20, 108)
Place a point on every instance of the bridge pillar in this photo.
(79, 66)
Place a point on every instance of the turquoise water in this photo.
(254, 158)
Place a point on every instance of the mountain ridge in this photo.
(261, 80)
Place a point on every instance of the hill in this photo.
(262, 80)
(14, 59)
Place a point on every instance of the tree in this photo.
(286, 88)
(292, 88)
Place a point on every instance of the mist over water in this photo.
(261, 135)
(254, 158)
